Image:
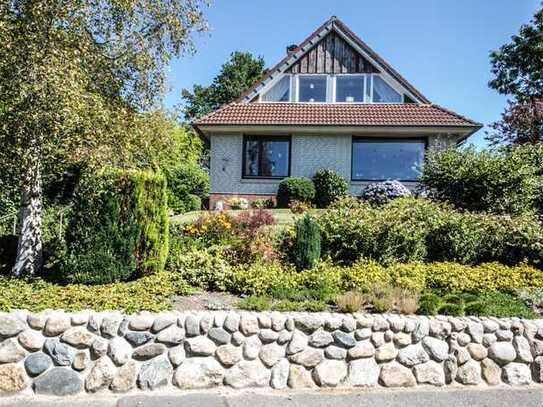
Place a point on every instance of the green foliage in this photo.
(255, 303)
(517, 66)
(505, 181)
(307, 246)
(118, 228)
(187, 186)
(329, 187)
(408, 230)
(237, 75)
(151, 293)
(203, 268)
(487, 303)
(295, 189)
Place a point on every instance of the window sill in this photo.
(261, 180)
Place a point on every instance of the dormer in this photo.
(333, 65)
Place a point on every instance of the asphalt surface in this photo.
(502, 397)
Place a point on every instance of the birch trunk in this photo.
(29, 249)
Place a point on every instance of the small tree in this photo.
(307, 249)
(329, 187)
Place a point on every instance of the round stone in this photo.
(10, 326)
(31, 340)
(12, 379)
(395, 375)
(199, 373)
(37, 363)
(56, 324)
(59, 381)
(330, 373)
(502, 353)
(155, 373)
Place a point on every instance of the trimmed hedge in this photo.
(295, 189)
(408, 230)
(118, 228)
(187, 187)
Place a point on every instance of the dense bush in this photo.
(187, 186)
(307, 247)
(151, 293)
(380, 193)
(202, 268)
(326, 281)
(329, 187)
(295, 188)
(407, 230)
(505, 181)
(118, 228)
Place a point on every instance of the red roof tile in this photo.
(309, 114)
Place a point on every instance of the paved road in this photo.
(502, 397)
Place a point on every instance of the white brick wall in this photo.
(309, 153)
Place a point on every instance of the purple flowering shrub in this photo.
(381, 193)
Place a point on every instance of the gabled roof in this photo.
(332, 24)
(334, 114)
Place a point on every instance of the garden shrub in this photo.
(150, 293)
(188, 185)
(237, 202)
(505, 181)
(118, 228)
(261, 278)
(307, 247)
(262, 204)
(350, 302)
(410, 230)
(202, 268)
(380, 193)
(295, 188)
(329, 187)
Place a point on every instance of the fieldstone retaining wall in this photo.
(56, 353)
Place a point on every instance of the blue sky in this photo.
(440, 46)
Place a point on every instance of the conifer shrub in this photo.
(307, 248)
(118, 228)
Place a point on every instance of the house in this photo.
(332, 102)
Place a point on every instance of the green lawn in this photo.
(282, 216)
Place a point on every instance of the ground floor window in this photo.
(387, 159)
(266, 157)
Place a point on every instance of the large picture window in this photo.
(266, 157)
(383, 92)
(387, 159)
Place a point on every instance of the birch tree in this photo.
(74, 75)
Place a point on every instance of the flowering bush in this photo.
(248, 223)
(382, 192)
(298, 207)
(238, 203)
(214, 228)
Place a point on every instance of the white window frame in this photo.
(398, 90)
(329, 89)
(334, 87)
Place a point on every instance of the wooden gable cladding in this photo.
(332, 55)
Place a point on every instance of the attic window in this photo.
(350, 88)
(383, 92)
(280, 92)
(312, 88)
